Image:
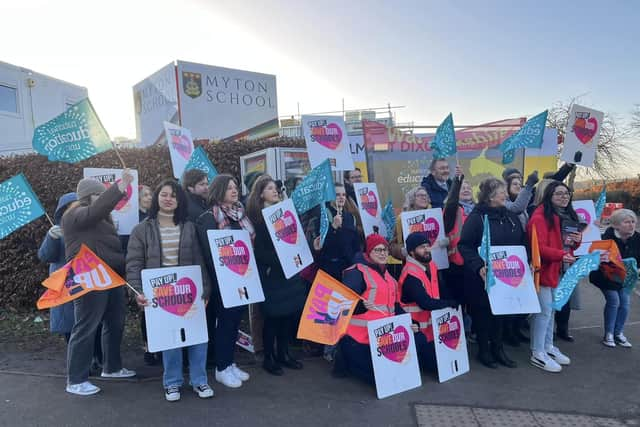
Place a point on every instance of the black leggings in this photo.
(487, 325)
(276, 334)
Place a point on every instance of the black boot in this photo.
(501, 357)
(271, 365)
(509, 336)
(289, 362)
(484, 355)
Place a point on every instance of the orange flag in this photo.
(536, 262)
(614, 270)
(328, 309)
(84, 273)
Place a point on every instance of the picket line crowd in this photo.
(392, 277)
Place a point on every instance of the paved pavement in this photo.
(600, 382)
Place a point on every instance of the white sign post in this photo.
(427, 221)
(287, 237)
(326, 138)
(176, 313)
(180, 147)
(450, 343)
(125, 215)
(514, 291)
(369, 208)
(587, 213)
(394, 355)
(235, 267)
(581, 135)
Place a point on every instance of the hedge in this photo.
(20, 270)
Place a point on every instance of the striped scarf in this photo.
(224, 215)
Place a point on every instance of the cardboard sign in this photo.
(587, 213)
(394, 355)
(326, 138)
(287, 237)
(427, 221)
(176, 313)
(581, 135)
(370, 208)
(125, 214)
(180, 147)
(235, 267)
(514, 291)
(245, 341)
(450, 343)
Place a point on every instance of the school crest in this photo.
(192, 84)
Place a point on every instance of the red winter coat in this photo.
(550, 243)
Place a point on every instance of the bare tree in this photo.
(613, 149)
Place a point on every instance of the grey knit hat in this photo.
(89, 186)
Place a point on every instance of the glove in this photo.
(532, 179)
(55, 232)
(442, 243)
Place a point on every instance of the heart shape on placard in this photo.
(583, 215)
(182, 145)
(331, 138)
(509, 271)
(395, 345)
(432, 228)
(177, 298)
(237, 260)
(370, 203)
(450, 333)
(287, 228)
(585, 130)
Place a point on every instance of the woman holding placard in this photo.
(284, 298)
(554, 214)
(167, 239)
(505, 230)
(225, 212)
(623, 233)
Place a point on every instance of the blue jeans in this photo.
(172, 362)
(542, 323)
(616, 309)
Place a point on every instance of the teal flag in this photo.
(602, 200)
(581, 268)
(324, 223)
(18, 205)
(200, 161)
(74, 135)
(389, 219)
(315, 188)
(528, 136)
(631, 279)
(444, 143)
(485, 253)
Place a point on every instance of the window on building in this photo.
(8, 99)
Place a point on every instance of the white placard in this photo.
(427, 221)
(450, 343)
(176, 313)
(180, 147)
(235, 266)
(369, 208)
(587, 213)
(326, 138)
(581, 135)
(394, 355)
(125, 215)
(287, 237)
(514, 291)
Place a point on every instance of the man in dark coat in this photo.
(196, 184)
(437, 183)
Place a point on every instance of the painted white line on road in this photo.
(600, 326)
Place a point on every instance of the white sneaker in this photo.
(228, 378)
(172, 393)
(608, 340)
(204, 391)
(122, 373)
(622, 341)
(557, 355)
(83, 389)
(544, 362)
(239, 373)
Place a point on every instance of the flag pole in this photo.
(132, 288)
(118, 154)
(49, 218)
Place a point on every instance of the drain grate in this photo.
(463, 416)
